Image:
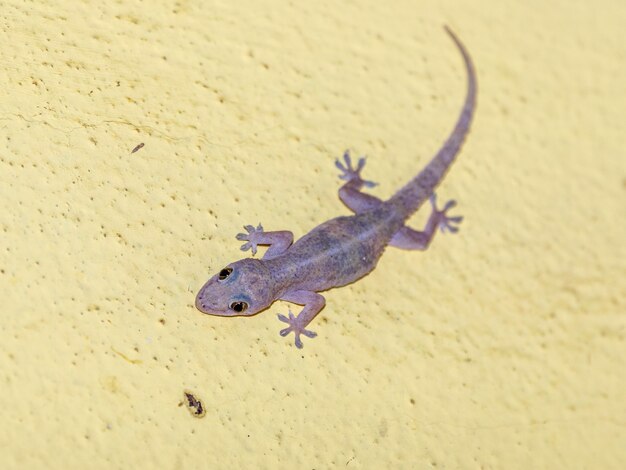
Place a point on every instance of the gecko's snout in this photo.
(203, 302)
(200, 305)
(210, 302)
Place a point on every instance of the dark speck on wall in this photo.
(137, 147)
(193, 404)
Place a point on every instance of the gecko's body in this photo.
(342, 249)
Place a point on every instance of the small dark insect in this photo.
(137, 147)
(194, 405)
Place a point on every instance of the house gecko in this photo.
(343, 249)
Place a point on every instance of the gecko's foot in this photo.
(348, 173)
(251, 238)
(446, 223)
(296, 327)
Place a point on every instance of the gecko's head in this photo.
(240, 288)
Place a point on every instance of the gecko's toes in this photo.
(353, 173)
(446, 223)
(449, 205)
(283, 318)
(249, 246)
(309, 333)
(347, 159)
(296, 328)
(252, 238)
(450, 223)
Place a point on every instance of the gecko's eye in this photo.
(238, 306)
(224, 273)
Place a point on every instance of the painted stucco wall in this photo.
(500, 347)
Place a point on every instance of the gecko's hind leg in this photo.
(350, 193)
(409, 239)
(278, 241)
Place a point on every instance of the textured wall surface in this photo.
(501, 347)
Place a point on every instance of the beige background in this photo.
(501, 347)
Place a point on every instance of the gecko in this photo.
(341, 250)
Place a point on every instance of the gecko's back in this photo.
(339, 251)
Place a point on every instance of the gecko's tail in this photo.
(409, 198)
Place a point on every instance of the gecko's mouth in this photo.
(202, 304)
(205, 306)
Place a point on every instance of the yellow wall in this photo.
(501, 347)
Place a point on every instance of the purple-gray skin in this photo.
(341, 250)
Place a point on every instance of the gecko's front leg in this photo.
(313, 303)
(278, 241)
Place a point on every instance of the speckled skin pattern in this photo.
(342, 249)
